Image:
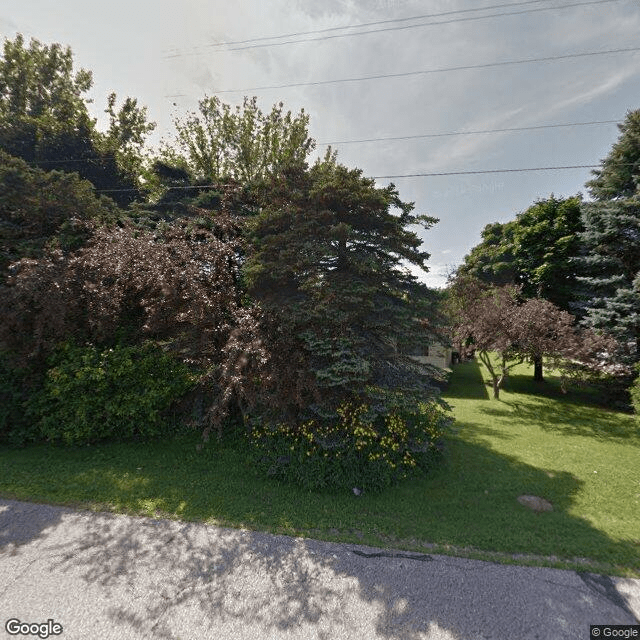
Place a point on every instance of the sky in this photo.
(165, 55)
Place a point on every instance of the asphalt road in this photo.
(103, 576)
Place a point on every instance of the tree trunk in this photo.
(537, 369)
(496, 389)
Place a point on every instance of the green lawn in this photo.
(534, 440)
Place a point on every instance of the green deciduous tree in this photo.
(535, 251)
(38, 81)
(244, 143)
(546, 241)
(45, 121)
(492, 260)
(125, 138)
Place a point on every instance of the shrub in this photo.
(355, 451)
(119, 393)
(16, 386)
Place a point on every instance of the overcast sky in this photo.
(161, 53)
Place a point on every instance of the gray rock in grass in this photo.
(535, 503)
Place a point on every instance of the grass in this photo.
(534, 440)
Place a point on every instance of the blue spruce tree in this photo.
(611, 242)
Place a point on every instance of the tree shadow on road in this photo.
(24, 522)
(221, 581)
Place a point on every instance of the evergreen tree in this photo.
(43, 209)
(326, 261)
(620, 173)
(611, 242)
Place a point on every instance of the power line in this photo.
(66, 160)
(371, 24)
(428, 71)
(411, 175)
(478, 131)
(246, 44)
(384, 139)
(410, 137)
(480, 171)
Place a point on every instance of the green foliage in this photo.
(610, 256)
(38, 81)
(40, 209)
(634, 392)
(326, 255)
(534, 251)
(242, 143)
(15, 390)
(208, 200)
(360, 449)
(492, 261)
(538, 441)
(619, 176)
(44, 120)
(546, 239)
(324, 262)
(611, 263)
(121, 393)
(126, 136)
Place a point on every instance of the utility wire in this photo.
(412, 175)
(426, 135)
(428, 71)
(480, 171)
(65, 160)
(250, 44)
(466, 133)
(399, 28)
(371, 24)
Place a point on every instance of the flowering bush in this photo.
(358, 450)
